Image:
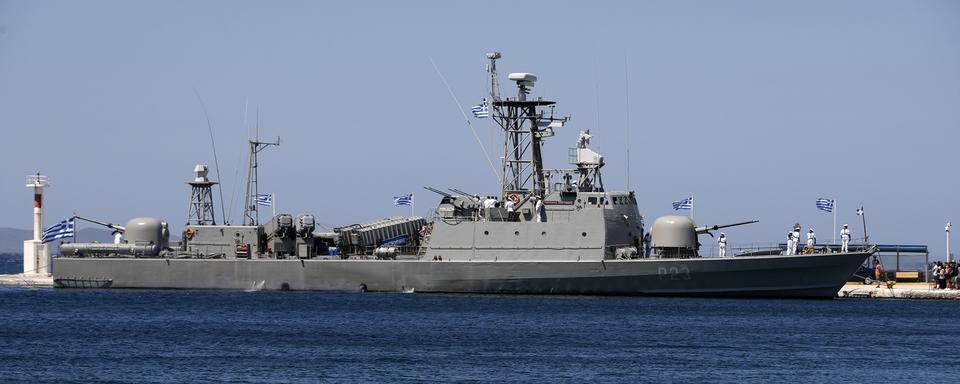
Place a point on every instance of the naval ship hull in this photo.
(801, 276)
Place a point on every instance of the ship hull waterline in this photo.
(806, 276)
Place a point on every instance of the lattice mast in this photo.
(201, 210)
(524, 126)
(250, 212)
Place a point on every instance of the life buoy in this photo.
(515, 198)
(189, 233)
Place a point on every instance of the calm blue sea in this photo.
(50, 335)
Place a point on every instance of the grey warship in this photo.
(550, 231)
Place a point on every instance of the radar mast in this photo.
(524, 126)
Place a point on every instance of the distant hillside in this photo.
(10, 263)
(11, 239)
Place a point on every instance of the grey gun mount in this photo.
(676, 236)
(145, 236)
(707, 229)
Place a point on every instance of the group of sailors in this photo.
(793, 239)
(510, 207)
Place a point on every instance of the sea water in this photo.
(50, 335)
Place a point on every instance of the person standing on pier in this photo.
(877, 269)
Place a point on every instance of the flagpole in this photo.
(863, 216)
(413, 205)
(691, 208)
(834, 222)
(273, 203)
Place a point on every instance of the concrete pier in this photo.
(27, 280)
(897, 291)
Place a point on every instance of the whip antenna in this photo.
(213, 144)
(467, 119)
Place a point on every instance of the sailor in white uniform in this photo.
(540, 210)
(796, 238)
(811, 238)
(722, 242)
(844, 239)
(790, 243)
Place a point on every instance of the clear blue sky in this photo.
(755, 108)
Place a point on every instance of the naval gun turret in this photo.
(144, 237)
(676, 236)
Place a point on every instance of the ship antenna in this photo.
(213, 143)
(494, 79)
(626, 82)
(467, 119)
(250, 211)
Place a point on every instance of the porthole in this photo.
(486, 232)
(584, 234)
(516, 233)
(544, 233)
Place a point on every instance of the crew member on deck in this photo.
(811, 238)
(117, 236)
(796, 237)
(540, 210)
(844, 239)
(646, 244)
(722, 242)
(789, 243)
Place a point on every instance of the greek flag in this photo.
(264, 199)
(58, 231)
(481, 110)
(403, 199)
(824, 204)
(683, 204)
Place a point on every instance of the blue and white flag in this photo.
(683, 204)
(403, 199)
(825, 204)
(264, 199)
(58, 231)
(860, 211)
(481, 110)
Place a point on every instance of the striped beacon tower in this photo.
(36, 257)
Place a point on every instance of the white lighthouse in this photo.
(36, 257)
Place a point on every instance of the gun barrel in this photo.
(108, 225)
(437, 191)
(706, 229)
